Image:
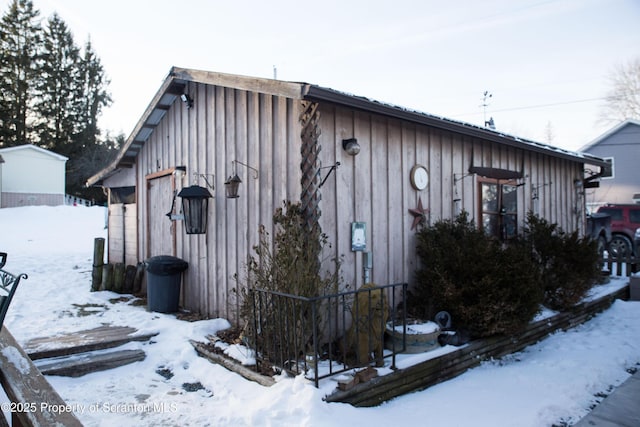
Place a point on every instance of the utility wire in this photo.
(553, 104)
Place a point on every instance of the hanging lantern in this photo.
(195, 206)
(231, 187)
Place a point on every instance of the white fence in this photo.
(70, 200)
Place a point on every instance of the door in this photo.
(161, 229)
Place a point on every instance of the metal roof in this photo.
(317, 93)
(175, 84)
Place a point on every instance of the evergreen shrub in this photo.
(568, 264)
(488, 288)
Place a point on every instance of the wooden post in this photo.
(107, 277)
(129, 278)
(118, 277)
(98, 261)
(137, 281)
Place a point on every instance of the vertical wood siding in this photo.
(123, 242)
(374, 186)
(222, 126)
(263, 131)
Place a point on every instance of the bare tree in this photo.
(623, 98)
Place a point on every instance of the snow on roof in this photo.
(33, 147)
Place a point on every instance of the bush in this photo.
(487, 288)
(289, 264)
(568, 264)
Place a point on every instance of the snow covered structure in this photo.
(368, 172)
(31, 175)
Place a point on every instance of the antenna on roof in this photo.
(485, 103)
(275, 73)
(490, 124)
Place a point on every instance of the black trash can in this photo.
(164, 274)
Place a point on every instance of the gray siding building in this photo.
(621, 146)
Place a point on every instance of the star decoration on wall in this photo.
(419, 217)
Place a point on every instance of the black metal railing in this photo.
(8, 286)
(316, 335)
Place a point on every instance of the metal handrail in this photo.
(294, 332)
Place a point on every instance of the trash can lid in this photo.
(165, 265)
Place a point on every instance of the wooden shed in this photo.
(363, 169)
(30, 176)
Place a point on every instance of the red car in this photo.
(625, 219)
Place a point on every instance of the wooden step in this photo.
(85, 363)
(100, 338)
(26, 386)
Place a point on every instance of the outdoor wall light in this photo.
(187, 100)
(233, 182)
(195, 207)
(179, 172)
(351, 146)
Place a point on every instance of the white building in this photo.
(30, 175)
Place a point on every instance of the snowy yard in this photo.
(553, 382)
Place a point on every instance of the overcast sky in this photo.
(545, 62)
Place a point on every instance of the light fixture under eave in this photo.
(195, 207)
(187, 100)
(351, 146)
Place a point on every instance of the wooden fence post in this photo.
(98, 262)
(137, 281)
(129, 277)
(107, 277)
(118, 277)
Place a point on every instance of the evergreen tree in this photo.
(20, 38)
(91, 160)
(52, 93)
(93, 96)
(91, 152)
(58, 90)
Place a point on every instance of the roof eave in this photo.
(317, 93)
(175, 83)
(170, 89)
(174, 86)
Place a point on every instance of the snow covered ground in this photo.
(552, 382)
